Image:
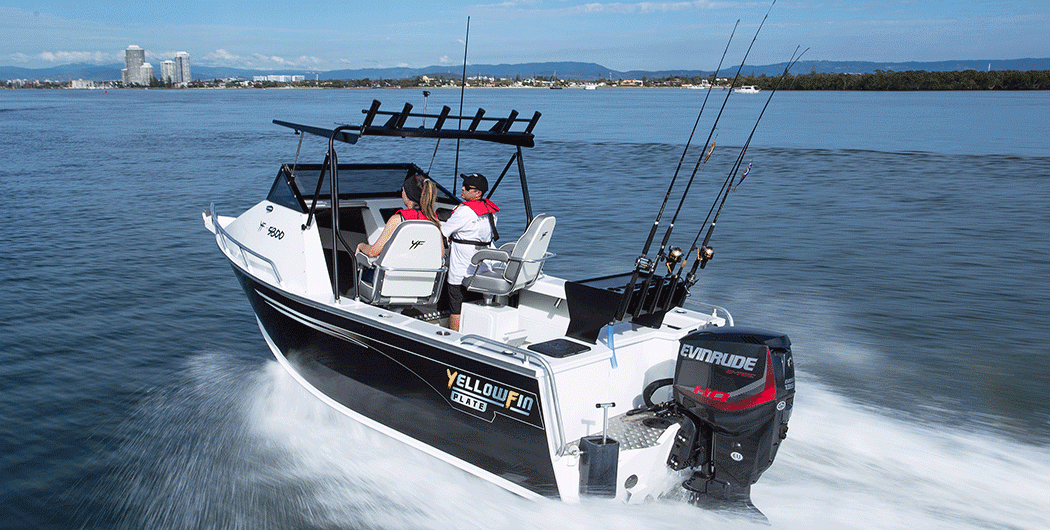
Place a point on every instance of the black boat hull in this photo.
(481, 415)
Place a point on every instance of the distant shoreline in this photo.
(781, 89)
(580, 71)
(908, 81)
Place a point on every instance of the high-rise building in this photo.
(145, 74)
(136, 70)
(134, 58)
(182, 68)
(167, 72)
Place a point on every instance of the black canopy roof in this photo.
(500, 132)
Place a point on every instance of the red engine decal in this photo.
(708, 393)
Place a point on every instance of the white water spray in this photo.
(842, 466)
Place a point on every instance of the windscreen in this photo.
(355, 180)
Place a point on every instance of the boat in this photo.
(607, 386)
(746, 89)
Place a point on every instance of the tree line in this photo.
(908, 80)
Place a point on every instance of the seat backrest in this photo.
(526, 259)
(410, 269)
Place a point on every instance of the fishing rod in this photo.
(643, 263)
(705, 253)
(462, 88)
(696, 169)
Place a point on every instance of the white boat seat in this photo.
(518, 264)
(409, 271)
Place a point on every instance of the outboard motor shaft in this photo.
(737, 387)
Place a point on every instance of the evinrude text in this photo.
(739, 362)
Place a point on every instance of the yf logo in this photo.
(415, 244)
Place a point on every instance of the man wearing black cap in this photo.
(471, 226)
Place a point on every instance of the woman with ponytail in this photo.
(419, 194)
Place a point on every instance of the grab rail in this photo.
(560, 443)
(240, 246)
(715, 310)
(546, 256)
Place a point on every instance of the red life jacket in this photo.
(408, 214)
(484, 208)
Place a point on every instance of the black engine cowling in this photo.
(735, 388)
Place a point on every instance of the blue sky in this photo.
(316, 35)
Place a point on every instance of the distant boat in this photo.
(746, 89)
(590, 87)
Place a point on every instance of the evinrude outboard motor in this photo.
(735, 388)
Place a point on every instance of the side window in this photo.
(283, 194)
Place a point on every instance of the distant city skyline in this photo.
(310, 35)
(137, 71)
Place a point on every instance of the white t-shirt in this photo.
(467, 225)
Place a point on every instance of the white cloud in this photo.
(512, 3)
(525, 8)
(639, 7)
(67, 57)
(223, 57)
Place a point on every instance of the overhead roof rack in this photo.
(500, 132)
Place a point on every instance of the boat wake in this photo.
(364, 479)
(850, 466)
(844, 466)
(238, 445)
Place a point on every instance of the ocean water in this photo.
(896, 237)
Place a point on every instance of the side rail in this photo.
(225, 239)
(715, 310)
(552, 402)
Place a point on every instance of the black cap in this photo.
(475, 180)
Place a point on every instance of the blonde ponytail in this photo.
(428, 199)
